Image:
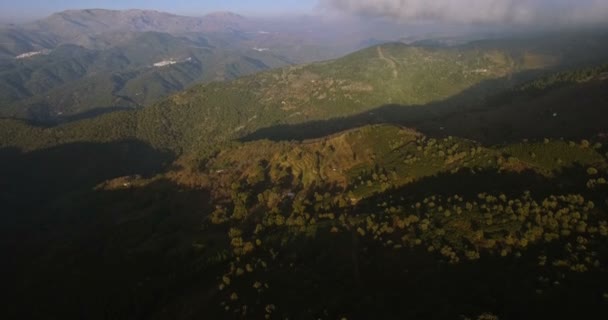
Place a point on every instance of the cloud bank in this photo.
(516, 12)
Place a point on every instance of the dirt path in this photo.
(390, 62)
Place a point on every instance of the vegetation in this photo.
(71, 80)
(199, 118)
(432, 209)
(276, 217)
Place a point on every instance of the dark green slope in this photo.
(372, 212)
(562, 105)
(16, 41)
(72, 79)
(22, 79)
(565, 105)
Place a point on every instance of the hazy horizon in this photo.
(29, 10)
(518, 13)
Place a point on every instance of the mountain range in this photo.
(395, 74)
(87, 61)
(86, 27)
(399, 181)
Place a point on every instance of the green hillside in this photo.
(72, 80)
(419, 84)
(358, 82)
(16, 41)
(78, 63)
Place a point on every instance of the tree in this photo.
(257, 175)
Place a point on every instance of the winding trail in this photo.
(390, 62)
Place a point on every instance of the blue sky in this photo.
(19, 9)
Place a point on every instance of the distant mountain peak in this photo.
(73, 23)
(224, 14)
(224, 20)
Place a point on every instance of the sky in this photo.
(512, 12)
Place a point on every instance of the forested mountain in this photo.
(99, 28)
(76, 23)
(139, 71)
(420, 83)
(86, 62)
(81, 63)
(397, 182)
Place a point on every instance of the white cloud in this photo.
(521, 12)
